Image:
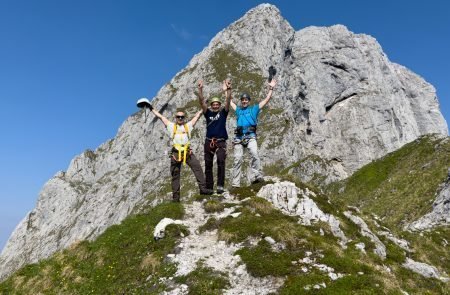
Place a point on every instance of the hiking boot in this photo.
(206, 191)
(220, 190)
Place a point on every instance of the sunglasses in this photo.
(180, 117)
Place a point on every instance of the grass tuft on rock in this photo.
(245, 73)
(211, 224)
(204, 281)
(212, 206)
(262, 261)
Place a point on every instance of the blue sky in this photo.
(71, 71)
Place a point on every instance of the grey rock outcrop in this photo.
(295, 201)
(380, 248)
(318, 171)
(424, 269)
(440, 214)
(339, 97)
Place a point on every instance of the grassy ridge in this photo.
(363, 273)
(124, 259)
(401, 186)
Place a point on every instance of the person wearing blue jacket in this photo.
(247, 122)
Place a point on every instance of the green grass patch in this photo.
(118, 261)
(212, 206)
(248, 224)
(211, 224)
(350, 261)
(394, 254)
(262, 261)
(401, 186)
(414, 283)
(205, 281)
(244, 72)
(295, 285)
(431, 247)
(248, 191)
(353, 284)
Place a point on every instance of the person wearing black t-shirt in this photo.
(216, 135)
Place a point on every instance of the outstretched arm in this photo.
(196, 117)
(232, 104)
(226, 87)
(228, 95)
(272, 85)
(161, 117)
(201, 99)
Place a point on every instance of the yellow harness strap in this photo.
(182, 152)
(186, 128)
(181, 148)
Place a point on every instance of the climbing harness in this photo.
(213, 144)
(244, 140)
(182, 149)
(239, 131)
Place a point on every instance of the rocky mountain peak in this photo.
(263, 12)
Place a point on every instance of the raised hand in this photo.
(224, 86)
(228, 83)
(227, 88)
(272, 84)
(201, 99)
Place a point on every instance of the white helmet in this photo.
(143, 103)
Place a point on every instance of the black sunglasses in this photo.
(180, 117)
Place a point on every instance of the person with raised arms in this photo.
(247, 122)
(181, 153)
(216, 135)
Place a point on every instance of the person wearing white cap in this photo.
(181, 153)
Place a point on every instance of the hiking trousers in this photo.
(175, 171)
(218, 148)
(255, 163)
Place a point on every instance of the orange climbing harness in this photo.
(213, 143)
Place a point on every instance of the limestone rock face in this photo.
(338, 97)
(294, 201)
(424, 269)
